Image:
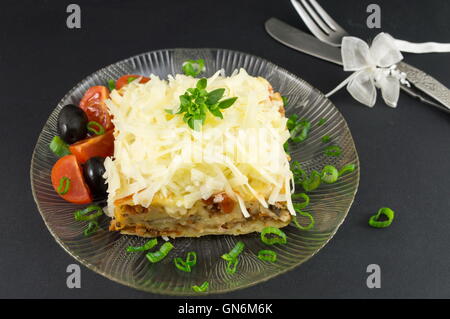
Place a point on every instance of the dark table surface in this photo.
(404, 152)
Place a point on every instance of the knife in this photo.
(306, 43)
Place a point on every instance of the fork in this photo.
(319, 22)
(322, 25)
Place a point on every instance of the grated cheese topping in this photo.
(158, 159)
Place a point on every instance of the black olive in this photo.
(93, 171)
(72, 124)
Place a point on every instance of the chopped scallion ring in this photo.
(193, 67)
(131, 79)
(234, 253)
(280, 238)
(285, 100)
(347, 169)
(267, 255)
(95, 128)
(321, 122)
(312, 182)
(297, 224)
(181, 264)
(191, 258)
(91, 228)
(385, 212)
(326, 139)
(301, 196)
(232, 266)
(186, 265)
(333, 150)
(292, 122)
(300, 132)
(147, 246)
(329, 174)
(159, 255)
(82, 214)
(59, 147)
(286, 146)
(64, 185)
(298, 172)
(111, 85)
(202, 288)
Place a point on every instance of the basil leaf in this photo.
(216, 113)
(215, 96)
(201, 84)
(227, 103)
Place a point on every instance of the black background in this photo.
(404, 152)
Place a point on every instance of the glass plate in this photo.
(104, 252)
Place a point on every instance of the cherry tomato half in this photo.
(100, 145)
(93, 104)
(78, 192)
(126, 79)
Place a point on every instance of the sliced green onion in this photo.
(131, 79)
(267, 255)
(321, 122)
(91, 228)
(347, 169)
(64, 185)
(234, 253)
(286, 146)
(285, 101)
(202, 288)
(82, 214)
(312, 182)
(326, 139)
(193, 67)
(96, 128)
(147, 246)
(300, 131)
(292, 122)
(301, 196)
(280, 238)
(191, 258)
(385, 212)
(298, 172)
(302, 213)
(329, 174)
(333, 150)
(181, 264)
(59, 147)
(111, 85)
(159, 255)
(232, 266)
(186, 265)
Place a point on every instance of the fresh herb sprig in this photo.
(196, 102)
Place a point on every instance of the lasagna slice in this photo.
(230, 177)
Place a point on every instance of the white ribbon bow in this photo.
(375, 67)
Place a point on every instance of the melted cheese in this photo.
(157, 156)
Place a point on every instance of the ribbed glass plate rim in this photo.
(96, 269)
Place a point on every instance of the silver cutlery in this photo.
(331, 33)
